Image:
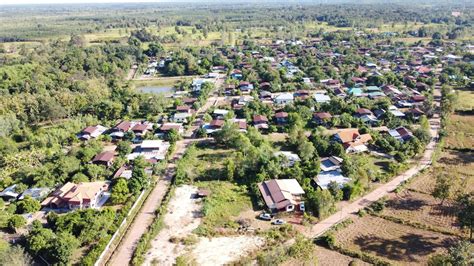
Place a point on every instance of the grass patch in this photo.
(466, 100)
(221, 207)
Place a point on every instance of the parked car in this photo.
(278, 222)
(265, 216)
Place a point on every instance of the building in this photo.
(260, 122)
(289, 157)
(322, 118)
(78, 196)
(282, 194)
(104, 158)
(321, 98)
(167, 127)
(401, 134)
(91, 132)
(352, 140)
(331, 163)
(152, 150)
(37, 193)
(284, 98)
(9, 193)
(323, 179)
(281, 117)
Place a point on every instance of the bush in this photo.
(328, 240)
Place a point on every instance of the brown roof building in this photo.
(282, 194)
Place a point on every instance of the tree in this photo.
(40, 239)
(62, 248)
(120, 191)
(139, 179)
(13, 255)
(321, 202)
(15, 222)
(124, 148)
(466, 212)
(442, 189)
(28, 205)
(335, 190)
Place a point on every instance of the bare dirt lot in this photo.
(225, 250)
(422, 208)
(399, 244)
(182, 218)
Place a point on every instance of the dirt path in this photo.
(385, 189)
(182, 217)
(123, 253)
(131, 73)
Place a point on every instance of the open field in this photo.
(422, 208)
(466, 100)
(396, 243)
(326, 257)
(460, 132)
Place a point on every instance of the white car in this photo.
(265, 216)
(278, 222)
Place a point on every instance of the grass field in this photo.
(162, 82)
(326, 257)
(460, 132)
(221, 208)
(393, 242)
(466, 100)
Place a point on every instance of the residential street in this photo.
(124, 252)
(351, 209)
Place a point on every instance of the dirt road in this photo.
(321, 227)
(123, 253)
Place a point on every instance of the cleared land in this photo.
(397, 243)
(326, 257)
(422, 208)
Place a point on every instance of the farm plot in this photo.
(326, 257)
(422, 208)
(457, 164)
(396, 243)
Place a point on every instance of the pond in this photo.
(155, 89)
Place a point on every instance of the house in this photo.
(123, 172)
(104, 158)
(260, 122)
(78, 196)
(330, 163)
(415, 113)
(290, 158)
(284, 98)
(352, 141)
(119, 130)
(181, 117)
(219, 113)
(196, 85)
(140, 129)
(357, 92)
(241, 124)
(282, 194)
(183, 109)
(9, 193)
(400, 133)
(281, 117)
(323, 179)
(91, 132)
(167, 127)
(362, 111)
(322, 118)
(321, 98)
(245, 87)
(236, 74)
(151, 150)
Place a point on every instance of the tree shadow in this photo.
(406, 248)
(446, 210)
(409, 204)
(458, 157)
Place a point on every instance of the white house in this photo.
(284, 98)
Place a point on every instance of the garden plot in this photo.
(396, 243)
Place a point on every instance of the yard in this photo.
(392, 242)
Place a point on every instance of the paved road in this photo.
(321, 227)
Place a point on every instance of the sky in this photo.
(16, 2)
